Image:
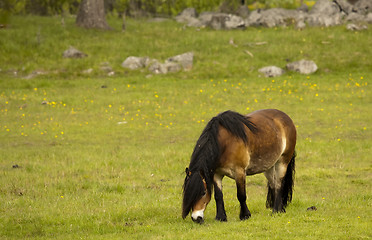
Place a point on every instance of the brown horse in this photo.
(234, 145)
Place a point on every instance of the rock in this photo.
(186, 14)
(134, 63)
(363, 7)
(325, 7)
(171, 67)
(303, 66)
(185, 60)
(344, 6)
(164, 68)
(274, 17)
(226, 21)
(73, 53)
(243, 11)
(271, 71)
(300, 25)
(369, 18)
(303, 8)
(88, 71)
(34, 74)
(173, 64)
(355, 27)
(234, 22)
(356, 17)
(325, 13)
(105, 66)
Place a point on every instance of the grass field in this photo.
(108, 162)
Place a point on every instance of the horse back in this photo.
(275, 137)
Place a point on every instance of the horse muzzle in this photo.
(198, 216)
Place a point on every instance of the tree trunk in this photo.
(92, 15)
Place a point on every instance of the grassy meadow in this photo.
(91, 156)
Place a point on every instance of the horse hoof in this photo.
(245, 217)
(221, 219)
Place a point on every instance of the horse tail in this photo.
(286, 189)
(288, 182)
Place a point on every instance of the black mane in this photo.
(206, 155)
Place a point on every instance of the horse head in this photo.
(196, 195)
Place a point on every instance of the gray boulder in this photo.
(325, 7)
(185, 60)
(186, 14)
(225, 21)
(355, 27)
(271, 71)
(164, 68)
(303, 66)
(274, 17)
(363, 7)
(135, 62)
(325, 13)
(73, 53)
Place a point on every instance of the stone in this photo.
(300, 25)
(243, 11)
(88, 71)
(225, 21)
(344, 6)
(134, 63)
(355, 27)
(303, 8)
(186, 14)
(105, 66)
(369, 18)
(164, 68)
(185, 60)
(303, 66)
(363, 7)
(355, 17)
(271, 71)
(274, 17)
(73, 53)
(325, 7)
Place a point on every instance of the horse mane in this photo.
(206, 155)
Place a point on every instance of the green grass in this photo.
(84, 175)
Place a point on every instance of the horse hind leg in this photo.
(280, 185)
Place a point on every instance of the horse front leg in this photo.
(242, 197)
(218, 196)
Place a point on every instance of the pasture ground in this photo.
(104, 157)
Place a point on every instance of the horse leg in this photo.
(242, 197)
(275, 177)
(218, 196)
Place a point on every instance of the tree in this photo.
(91, 14)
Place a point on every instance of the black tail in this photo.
(286, 186)
(288, 182)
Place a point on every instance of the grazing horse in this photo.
(234, 145)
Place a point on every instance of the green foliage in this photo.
(103, 157)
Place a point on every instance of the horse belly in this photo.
(263, 159)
